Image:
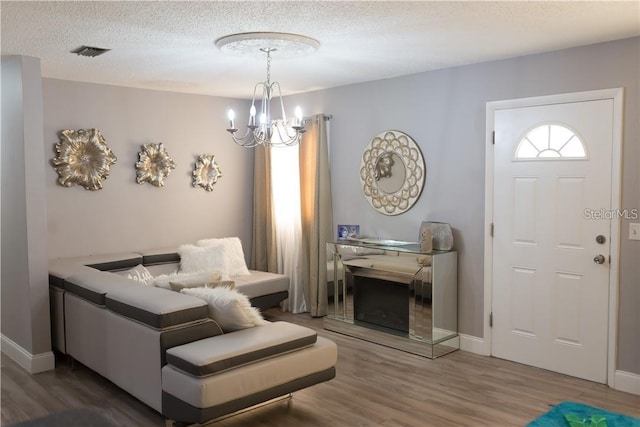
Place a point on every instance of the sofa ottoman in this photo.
(212, 377)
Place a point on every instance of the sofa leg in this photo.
(288, 397)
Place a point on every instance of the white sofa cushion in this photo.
(158, 308)
(213, 355)
(261, 283)
(93, 285)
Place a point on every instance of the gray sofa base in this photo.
(176, 409)
(265, 302)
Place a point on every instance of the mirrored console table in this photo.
(394, 295)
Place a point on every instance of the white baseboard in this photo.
(627, 381)
(474, 345)
(31, 363)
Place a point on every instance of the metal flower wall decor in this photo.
(82, 158)
(206, 172)
(153, 165)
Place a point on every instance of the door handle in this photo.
(599, 259)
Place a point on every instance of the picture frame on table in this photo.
(348, 231)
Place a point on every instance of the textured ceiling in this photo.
(170, 45)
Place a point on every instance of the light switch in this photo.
(634, 231)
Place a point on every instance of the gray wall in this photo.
(445, 111)
(25, 315)
(125, 215)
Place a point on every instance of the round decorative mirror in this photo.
(392, 172)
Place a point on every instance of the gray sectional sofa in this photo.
(162, 347)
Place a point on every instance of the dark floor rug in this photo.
(572, 414)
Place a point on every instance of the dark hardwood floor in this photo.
(374, 386)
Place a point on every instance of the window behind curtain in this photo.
(285, 181)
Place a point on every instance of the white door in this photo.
(552, 185)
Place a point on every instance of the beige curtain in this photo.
(263, 247)
(317, 214)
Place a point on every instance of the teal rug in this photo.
(571, 414)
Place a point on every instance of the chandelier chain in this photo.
(269, 66)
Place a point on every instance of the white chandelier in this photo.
(262, 127)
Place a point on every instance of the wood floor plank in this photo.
(374, 386)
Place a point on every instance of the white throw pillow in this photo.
(236, 265)
(203, 258)
(164, 280)
(139, 273)
(230, 309)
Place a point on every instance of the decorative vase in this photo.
(425, 238)
(441, 235)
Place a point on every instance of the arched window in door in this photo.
(550, 141)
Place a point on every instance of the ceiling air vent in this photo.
(90, 51)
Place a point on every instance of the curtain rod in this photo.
(327, 117)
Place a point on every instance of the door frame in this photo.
(617, 95)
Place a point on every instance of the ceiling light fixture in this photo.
(265, 129)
